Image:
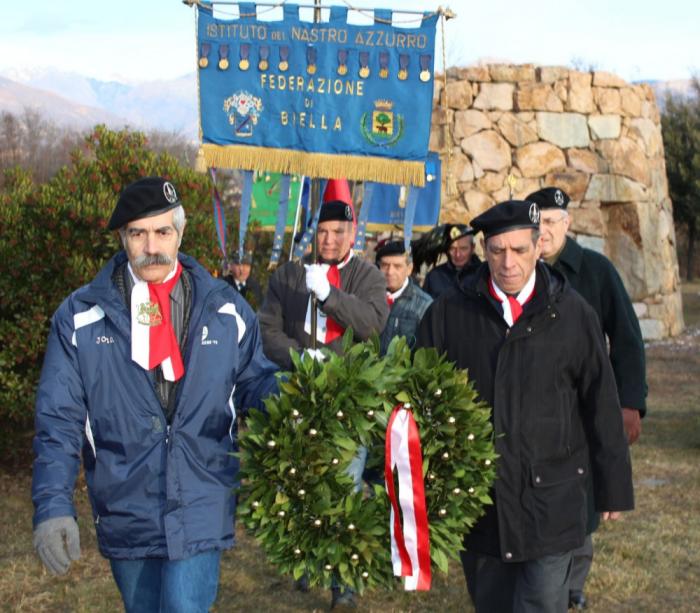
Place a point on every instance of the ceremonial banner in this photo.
(266, 199)
(387, 207)
(328, 99)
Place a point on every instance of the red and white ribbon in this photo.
(410, 543)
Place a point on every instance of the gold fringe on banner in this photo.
(200, 163)
(325, 165)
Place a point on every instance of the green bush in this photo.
(53, 239)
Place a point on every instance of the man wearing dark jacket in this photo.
(534, 351)
(239, 277)
(407, 302)
(593, 276)
(350, 293)
(461, 260)
(145, 370)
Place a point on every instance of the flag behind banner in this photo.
(388, 203)
(328, 99)
(266, 198)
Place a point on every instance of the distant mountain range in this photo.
(77, 101)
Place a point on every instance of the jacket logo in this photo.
(148, 314)
(205, 340)
(104, 340)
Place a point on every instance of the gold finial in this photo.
(512, 181)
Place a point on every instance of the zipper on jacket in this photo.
(167, 434)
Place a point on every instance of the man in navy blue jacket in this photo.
(145, 370)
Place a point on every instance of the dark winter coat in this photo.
(594, 277)
(157, 490)
(251, 291)
(359, 303)
(555, 412)
(405, 315)
(445, 277)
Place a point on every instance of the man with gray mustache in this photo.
(145, 371)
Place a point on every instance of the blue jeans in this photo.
(153, 585)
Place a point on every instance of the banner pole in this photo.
(314, 202)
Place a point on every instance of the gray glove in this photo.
(49, 543)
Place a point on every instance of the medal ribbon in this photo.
(154, 343)
(410, 543)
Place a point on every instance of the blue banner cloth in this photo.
(388, 206)
(328, 99)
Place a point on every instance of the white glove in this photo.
(314, 354)
(316, 280)
(57, 541)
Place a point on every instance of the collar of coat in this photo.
(101, 290)
(571, 255)
(549, 286)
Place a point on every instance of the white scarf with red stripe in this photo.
(392, 297)
(153, 340)
(327, 329)
(513, 305)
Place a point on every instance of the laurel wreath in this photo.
(296, 496)
(388, 143)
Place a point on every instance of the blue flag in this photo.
(328, 99)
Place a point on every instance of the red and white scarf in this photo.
(392, 297)
(513, 306)
(327, 328)
(153, 340)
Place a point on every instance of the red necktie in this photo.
(389, 299)
(162, 341)
(333, 328)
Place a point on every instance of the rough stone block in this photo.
(605, 126)
(495, 96)
(563, 129)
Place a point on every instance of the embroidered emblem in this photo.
(382, 127)
(534, 213)
(243, 111)
(559, 198)
(169, 192)
(148, 314)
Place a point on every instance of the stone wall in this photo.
(589, 133)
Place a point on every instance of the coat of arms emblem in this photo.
(148, 314)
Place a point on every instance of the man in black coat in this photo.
(593, 276)
(239, 277)
(461, 260)
(534, 350)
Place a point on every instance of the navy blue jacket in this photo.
(405, 315)
(156, 491)
(445, 277)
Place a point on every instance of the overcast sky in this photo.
(135, 41)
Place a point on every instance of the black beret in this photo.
(389, 247)
(335, 210)
(550, 198)
(456, 231)
(507, 216)
(237, 259)
(143, 198)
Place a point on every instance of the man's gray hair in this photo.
(179, 220)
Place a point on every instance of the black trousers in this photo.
(534, 586)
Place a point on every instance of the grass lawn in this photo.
(648, 561)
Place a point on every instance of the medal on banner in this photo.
(425, 68)
(223, 57)
(364, 64)
(342, 62)
(311, 53)
(384, 64)
(244, 63)
(284, 59)
(403, 66)
(264, 53)
(204, 55)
